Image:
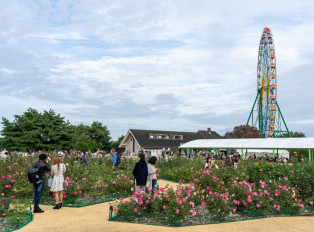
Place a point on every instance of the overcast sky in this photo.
(165, 65)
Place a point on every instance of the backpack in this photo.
(118, 159)
(33, 175)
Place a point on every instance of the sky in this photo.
(144, 64)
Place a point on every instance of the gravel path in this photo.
(95, 218)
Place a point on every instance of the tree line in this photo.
(49, 131)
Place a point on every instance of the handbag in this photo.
(65, 184)
(49, 182)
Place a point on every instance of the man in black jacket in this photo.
(43, 167)
(140, 172)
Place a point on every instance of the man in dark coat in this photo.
(43, 167)
(140, 172)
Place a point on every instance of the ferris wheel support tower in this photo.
(269, 118)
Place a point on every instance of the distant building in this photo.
(157, 141)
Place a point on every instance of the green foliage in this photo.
(244, 131)
(37, 131)
(293, 134)
(84, 143)
(49, 131)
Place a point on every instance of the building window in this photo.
(166, 136)
(178, 137)
(152, 136)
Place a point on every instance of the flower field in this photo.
(87, 184)
(254, 189)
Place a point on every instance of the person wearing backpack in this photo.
(43, 167)
(114, 159)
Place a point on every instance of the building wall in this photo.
(129, 145)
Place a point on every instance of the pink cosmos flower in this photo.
(249, 200)
(14, 197)
(12, 181)
(114, 182)
(80, 192)
(193, 212)
(177, 211)
(106, 186)
(218, 210)
(121, 198)
(115, 208)
(202, 203)
(234, 210)
(258, 205)
(135, 210)
(216, 194)
(164, 207)
(75, 193)
(147, 201)
(2, 177)
(2, 194)
(161, 189)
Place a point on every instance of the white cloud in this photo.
(118, 62)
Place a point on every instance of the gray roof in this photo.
(142, 137)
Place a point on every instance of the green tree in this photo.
(85, 143)
(293, 134)
(244, 131)
(96, 132)
(37, 131)
(101, 135)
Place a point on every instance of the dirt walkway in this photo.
(95, 218)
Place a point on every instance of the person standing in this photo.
(43, 167)
(140, 173)
(209, 164)
(57, 171)
(229, 159)
(114, 159)
(152, 173)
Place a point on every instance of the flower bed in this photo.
(255, 189)
(89, 184)
(16, 215)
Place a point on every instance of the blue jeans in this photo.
(38, 190)
(154, 184)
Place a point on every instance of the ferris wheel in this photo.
(269, 116)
